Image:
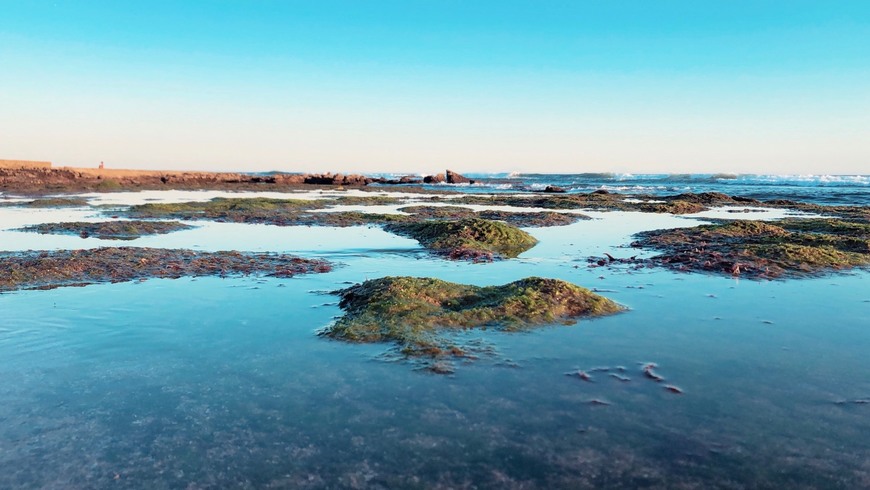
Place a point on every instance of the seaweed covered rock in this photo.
(52, 269)
(757, 249)
(530, 219)
(57, 202)
(109, 230)
(471, 238)
(278, 212)
(249, 210)
(415, 313)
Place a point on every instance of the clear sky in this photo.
(546, 86)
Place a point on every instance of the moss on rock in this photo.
(415, 313)
(109, 230)
(57, 202)
(473, 238)
(529, 219)
(787, 248)
(52, 269)
(248, 210)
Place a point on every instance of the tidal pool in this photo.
(224, 383)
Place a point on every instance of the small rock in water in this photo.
(598, 402)
(649, 373)
(580, 374)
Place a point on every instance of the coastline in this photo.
(585, 395)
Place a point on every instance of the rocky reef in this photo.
(52, 269)
(109, 230)
(467, 239)
(757, 249)
(416, 313)
(529, 219)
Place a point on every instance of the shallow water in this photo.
(216, 383)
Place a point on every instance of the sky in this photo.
(418, 86)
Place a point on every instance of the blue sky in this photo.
(647, 86)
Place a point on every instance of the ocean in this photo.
(819, 189)
(225, 383)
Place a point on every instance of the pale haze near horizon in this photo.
(674, 87)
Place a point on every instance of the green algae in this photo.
(249, 210)
(57, 202)
(439, 212)
(57, 268)
(416, 314)
(533, 219)
(470, 238)
(757, 249)
(365, 200)
(278, 212)
(109, 230)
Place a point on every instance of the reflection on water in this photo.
(223, 383)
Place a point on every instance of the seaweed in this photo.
(531, 219)
(757, 249)
(52, 269)
(471, 238)
(248, 210)
(109, 230)
(56, 202)
(416, 314)
(278, 212)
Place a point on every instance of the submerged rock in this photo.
(471, 238)
(416, 313)
(52, 269)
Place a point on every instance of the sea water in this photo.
(224, 383)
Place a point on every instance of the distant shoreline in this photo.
(42, 179)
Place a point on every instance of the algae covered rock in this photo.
(471, 238)
(416, 313)
(757, 249)
(56, 268)
(526, 219)
(109, 230)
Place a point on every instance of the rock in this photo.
(467, 239)
(455, 178)
(418, 314)
(554, 189)
(434, 179)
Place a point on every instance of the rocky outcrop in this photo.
(434, 179)
(456, 178)
(48, 180)
(339, 179)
